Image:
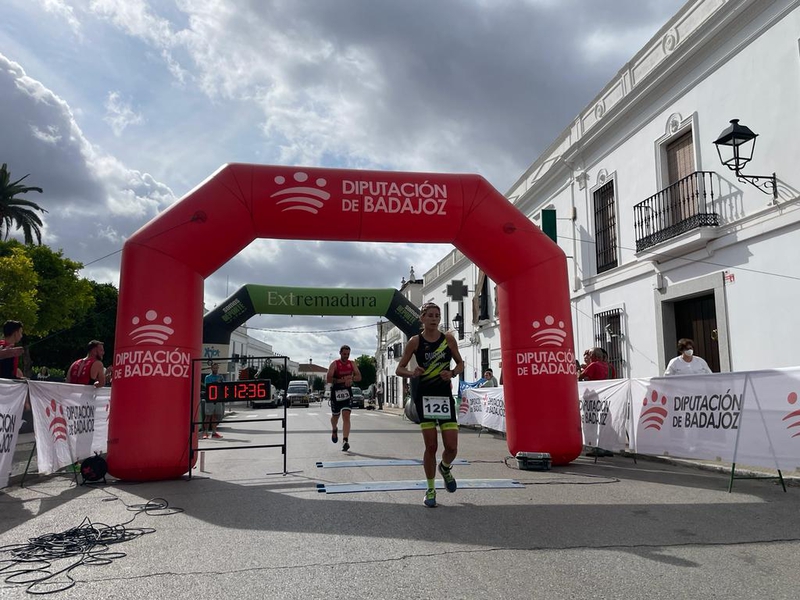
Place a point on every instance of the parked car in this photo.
(273, 400)
(298, 393)
(358, 397)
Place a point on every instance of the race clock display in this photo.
(228, 391)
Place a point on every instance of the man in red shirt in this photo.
(598, 367)
(89, 370)
(341, 375)
(9, 351)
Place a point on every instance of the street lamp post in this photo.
(735, 146)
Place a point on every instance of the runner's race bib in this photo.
(436, 407)
(342, 395)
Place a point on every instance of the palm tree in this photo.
(19, 211)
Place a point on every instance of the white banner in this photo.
(483, 406)
(70, 422)
(692, 416)
(751, 418)
(770, 431)
(604, 413)
(12, 402)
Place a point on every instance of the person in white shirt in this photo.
(686, 363)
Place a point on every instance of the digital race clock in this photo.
(228, 391)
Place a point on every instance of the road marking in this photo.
(394, 486)
(379, 462)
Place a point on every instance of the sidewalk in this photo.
(791, 478)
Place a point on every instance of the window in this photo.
(608, 336)
(445, 324)
(605, 227)
(484, 360)
(480, 301)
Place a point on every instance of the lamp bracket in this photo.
(765, 183)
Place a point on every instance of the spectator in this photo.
(686, 363)
(43, 374)
(10, 352)
(491, 380)
(379, 393)
(598, 368)
(89, 370)
(213, 411)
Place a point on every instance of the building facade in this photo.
(663, 240)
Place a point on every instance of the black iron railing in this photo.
(685, 205)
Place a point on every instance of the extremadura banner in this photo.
(251, 300)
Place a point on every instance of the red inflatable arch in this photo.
(160, 314)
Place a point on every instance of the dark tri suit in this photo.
(434, 357)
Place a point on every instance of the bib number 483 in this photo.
(436, 407)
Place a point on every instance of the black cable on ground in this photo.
(34, 564)
(605, 480)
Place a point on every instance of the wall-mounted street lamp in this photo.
(458, 322)
(738, 143)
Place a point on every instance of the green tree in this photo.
(63, 296)
(318, 384)
(18, 211)
(18, 281)
(275, 374)
(63, 301)
(366, 364)
(60, 348)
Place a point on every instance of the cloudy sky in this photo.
(117, 108)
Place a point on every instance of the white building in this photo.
(391, 342)
(663, 240)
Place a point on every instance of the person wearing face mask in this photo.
(686, 363)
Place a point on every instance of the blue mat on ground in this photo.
(395, 486)
(379, 462)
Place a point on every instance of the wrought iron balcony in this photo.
(685, 205)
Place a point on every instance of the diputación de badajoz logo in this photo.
(58, 424)
(692, 411)
(655, 412)
(550, 358)
(303, 197)
(153, 331)
(793, 417)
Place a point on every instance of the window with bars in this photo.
(609, 336)
(605, 227)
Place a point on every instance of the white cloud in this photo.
(65, 11)
(119, 114)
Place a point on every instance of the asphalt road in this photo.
(614, 529)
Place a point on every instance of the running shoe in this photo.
(335, 436)
(216, 435)
(449, 480)
(345, 447)
(430, 499)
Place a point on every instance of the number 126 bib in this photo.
(435, 407)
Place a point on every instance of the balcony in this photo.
(684, 206)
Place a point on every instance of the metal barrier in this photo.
(240, 390)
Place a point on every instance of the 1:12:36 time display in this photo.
(221, 391)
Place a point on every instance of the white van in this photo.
(298, 393)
